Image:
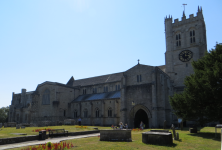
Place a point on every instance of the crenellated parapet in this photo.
(184, 20)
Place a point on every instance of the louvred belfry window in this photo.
(192, 36)
(178, 40)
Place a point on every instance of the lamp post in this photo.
(133, 104)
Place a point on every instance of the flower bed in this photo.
(37, 130)
(137, 129)
(82, 127)
(51, 146)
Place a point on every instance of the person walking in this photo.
(79, 120)
(141, 125)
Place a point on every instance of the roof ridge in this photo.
(98, 76)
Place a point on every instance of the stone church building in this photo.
(140, 93)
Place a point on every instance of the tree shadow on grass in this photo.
(207, 135)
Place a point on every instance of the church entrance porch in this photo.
(141, 115)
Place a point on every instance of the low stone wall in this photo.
(83, 133)
(115, 135)
(36, 137)
(18, 139)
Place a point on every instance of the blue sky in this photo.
(52, 40)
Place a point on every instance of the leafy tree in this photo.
(201, 99)
(4, 114)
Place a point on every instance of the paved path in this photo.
(37, 142)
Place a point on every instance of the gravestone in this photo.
(178, 136)
(164, 124)
(23, 127)
(174, 133)
(0, 125)
(221, 138)
(17, 126)
(5, 125)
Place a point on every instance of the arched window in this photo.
(178, 40)
(97, 113)
(85, 113)
(192, 36)
(46, 97)
(109, 112)
(75, 114)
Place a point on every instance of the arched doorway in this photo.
(141, 116)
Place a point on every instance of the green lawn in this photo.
(7, 132)
(205, 140)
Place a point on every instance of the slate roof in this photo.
(98, 96)
(100, 79)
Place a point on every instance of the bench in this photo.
(58, 132)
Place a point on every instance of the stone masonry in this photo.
(107, 100)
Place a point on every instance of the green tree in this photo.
(4, 114)
(201, 99)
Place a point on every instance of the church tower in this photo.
(185, 42)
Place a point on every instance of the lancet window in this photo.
(46, 97)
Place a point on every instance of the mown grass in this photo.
(7, 132)
(205, 140)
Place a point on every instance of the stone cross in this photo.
(164, 124)
(174, 133)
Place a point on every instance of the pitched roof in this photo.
(70, 82)
(98, 96)
(99, 79)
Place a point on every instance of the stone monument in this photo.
(18, 126)
(116, 135)
(178, 136)
(159, 137)
(174, 133)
